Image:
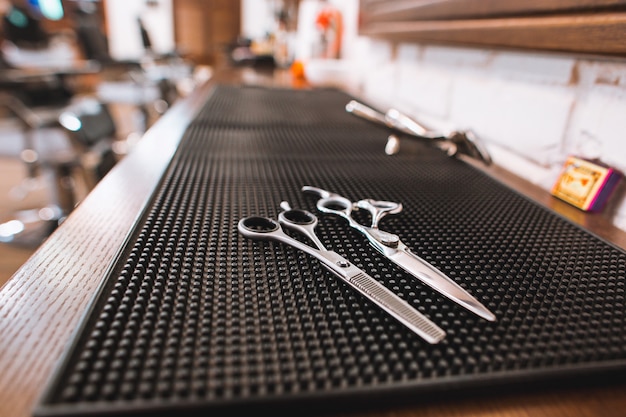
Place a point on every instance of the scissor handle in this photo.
(379, 209)
(297, 217)
(335, 205)
(301, 221)
(263, 228)
(256, 227)
(330, 202)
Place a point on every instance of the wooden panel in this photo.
(204, 27)
(190, 38)
(378, 10)
(579, 26)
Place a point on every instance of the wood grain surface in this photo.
(44, 301)
(571, 26)
(589, 34)
(380, 10)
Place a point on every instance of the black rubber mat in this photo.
(196, 318)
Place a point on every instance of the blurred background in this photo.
(82, 80)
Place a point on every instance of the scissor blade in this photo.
(383, 298)
(437, 280)
(398, 308)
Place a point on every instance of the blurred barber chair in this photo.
(62, 138)
(70, 145)
(149, 83)
(21, 28)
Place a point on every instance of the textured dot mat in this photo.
(195, 318)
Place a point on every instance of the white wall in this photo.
(123, 29)
(257, 18)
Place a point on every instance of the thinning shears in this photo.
(392, 248)
(304, 222)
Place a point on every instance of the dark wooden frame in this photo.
(572, 26)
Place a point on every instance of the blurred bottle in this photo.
(282, 41)
(329, 22)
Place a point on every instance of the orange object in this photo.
(330, 22)
(323, 20)
(297, 70)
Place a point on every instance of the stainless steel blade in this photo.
(438, 281)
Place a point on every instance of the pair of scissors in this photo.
(392, 248)
(304, 222)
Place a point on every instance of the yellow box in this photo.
(585, 184)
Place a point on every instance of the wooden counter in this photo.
(44, 301)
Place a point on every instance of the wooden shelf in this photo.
(573, 26)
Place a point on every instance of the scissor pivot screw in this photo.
(343, 264)
(389, 240)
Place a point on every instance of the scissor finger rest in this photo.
(390, 207)
(379, 209)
